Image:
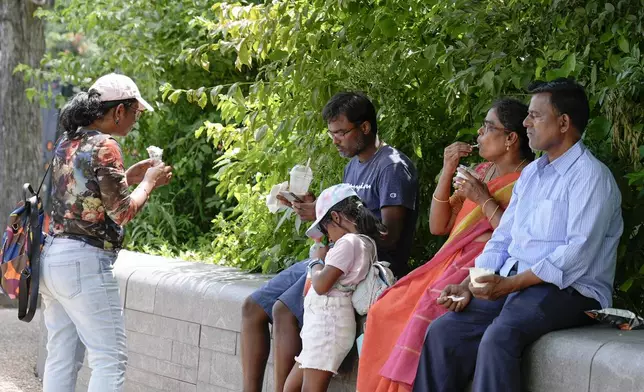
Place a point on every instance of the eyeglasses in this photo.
(138, 113)
(489, 127)
(128, 105)
(341, 134)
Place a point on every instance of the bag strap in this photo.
(30, 280)
(51, 163)
(375, 247)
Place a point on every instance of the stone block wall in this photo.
(183, 321)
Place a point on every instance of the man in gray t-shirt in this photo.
(386, 181)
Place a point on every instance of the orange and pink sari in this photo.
(397, 323)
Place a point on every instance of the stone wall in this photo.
(183, 321)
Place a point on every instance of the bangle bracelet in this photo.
(439, 200)
(495, 210)
(483, 208)
(315, 262)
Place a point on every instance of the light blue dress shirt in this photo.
(564, 222)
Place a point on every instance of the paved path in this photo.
(19, 349)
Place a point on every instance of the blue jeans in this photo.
(486, 340)
(82, 306)
(287, 287)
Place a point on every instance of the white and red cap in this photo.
(116, 87)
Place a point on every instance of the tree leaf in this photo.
(488, 80)
(609, 7)
(204, 62)
(174, 97)
(244, 55)
(31, 92)
(626, 285)
(593, 75)
(278, 54)
(560, 55)
(203, 100)
(598, 128)
(622, 42)
(430, 52)
(388, 27)
(261, 132)
(237, 95)
(214, 94)
(606, 36)
(569, 65)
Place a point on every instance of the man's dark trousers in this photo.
(487, 338)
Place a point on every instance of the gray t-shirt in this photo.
(388, 178)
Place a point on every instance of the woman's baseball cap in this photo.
(116, 87)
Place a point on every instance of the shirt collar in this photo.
(564, 162)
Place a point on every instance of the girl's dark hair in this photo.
(353, 208)
(511, 113)
(83, 109)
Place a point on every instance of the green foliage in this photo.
(258, 75)
(433, 68)
(145, 40)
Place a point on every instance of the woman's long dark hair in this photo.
(354, 210)
(511, 113)
(83, 109)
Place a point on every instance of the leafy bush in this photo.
(251, 79)
(433, 67)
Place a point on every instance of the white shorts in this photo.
(328, 333)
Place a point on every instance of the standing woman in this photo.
(91, 202)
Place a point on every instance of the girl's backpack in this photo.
(378, 279)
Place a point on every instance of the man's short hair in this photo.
(567, 97)
(356, 106)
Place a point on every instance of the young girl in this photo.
(329, 328)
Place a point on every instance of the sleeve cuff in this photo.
(547, 272)
(487, 261)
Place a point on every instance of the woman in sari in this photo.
(396, 324)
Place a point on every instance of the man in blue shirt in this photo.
(554, 255)
(386, 181)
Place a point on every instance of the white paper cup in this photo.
(156, 154)
(460, 175)
(301, 177)
(463, 168)
(476, 272)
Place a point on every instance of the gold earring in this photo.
(116, 121)
(507, 147)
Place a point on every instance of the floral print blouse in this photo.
(90, 195)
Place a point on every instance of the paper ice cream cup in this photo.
(156, 154)
(476, 272)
